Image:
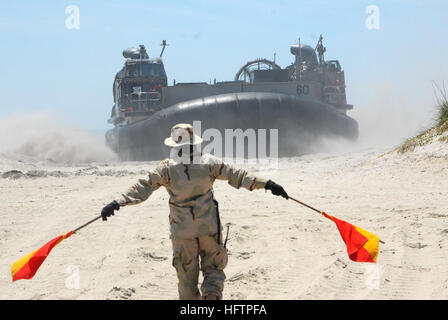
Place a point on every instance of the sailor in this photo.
(195, 227)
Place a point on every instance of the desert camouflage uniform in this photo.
(194, 217)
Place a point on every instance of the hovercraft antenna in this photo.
(164, 44)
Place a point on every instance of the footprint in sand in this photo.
(146, 255)
(245, 255)
(122, 293)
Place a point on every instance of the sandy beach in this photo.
(278, 249)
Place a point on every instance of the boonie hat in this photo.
(182, 134)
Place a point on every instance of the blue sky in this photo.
(46, 66)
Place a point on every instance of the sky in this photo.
(69, 72)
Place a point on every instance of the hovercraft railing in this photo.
(140, 103)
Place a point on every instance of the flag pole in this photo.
(86, 224)
(310, 207)
(304, 204)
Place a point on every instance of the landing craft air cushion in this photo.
(305, 101)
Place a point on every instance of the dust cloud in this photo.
(385, 119)
(394, 99)
(42, 136)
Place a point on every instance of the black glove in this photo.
(109, 210)
(276, 189)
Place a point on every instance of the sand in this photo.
(278, 249)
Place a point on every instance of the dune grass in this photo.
(438, 130)
(443, 113)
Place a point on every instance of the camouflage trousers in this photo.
(213, 259)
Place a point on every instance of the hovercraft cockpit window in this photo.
(146, 70)
(153, 70)
(132, 70)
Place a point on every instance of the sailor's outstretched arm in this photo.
(238, 178)
(140, 191)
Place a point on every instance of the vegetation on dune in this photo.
(436, 132)
(443, 113)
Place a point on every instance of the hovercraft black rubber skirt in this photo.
(300, 123)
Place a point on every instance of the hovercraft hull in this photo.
(300, 123)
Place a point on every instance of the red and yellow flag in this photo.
(362, 246)
(27, 267)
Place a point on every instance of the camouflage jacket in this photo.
(193, 213)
